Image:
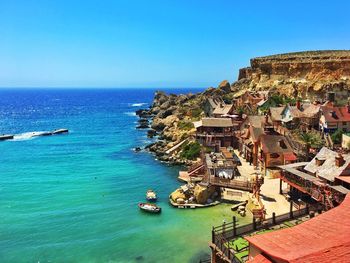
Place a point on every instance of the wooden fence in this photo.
(221, 235)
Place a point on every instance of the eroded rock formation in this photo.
(308, 74)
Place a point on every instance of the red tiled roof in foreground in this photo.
(325, 238)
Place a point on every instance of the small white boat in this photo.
(151, 195)
(151, 208)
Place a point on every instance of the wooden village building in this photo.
(211, 104)
(273, 151)
(223, 110)
(324, 179)
(217, 132)
(250, 101)
(334, 118)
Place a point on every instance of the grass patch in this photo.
(191, 151)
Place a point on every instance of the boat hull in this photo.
(149, 208)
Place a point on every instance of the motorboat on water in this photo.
(151, 195)
(151, 208)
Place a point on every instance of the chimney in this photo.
(282, 144)
(319, 162)
(339, 160)
(298, 104)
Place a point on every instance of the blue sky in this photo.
(156, 43)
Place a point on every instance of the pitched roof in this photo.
(256, 120)
(216, 122)
(276, 113)
(328, 170)
(214, 102)
(306, 110)
(311, 111)
(275, 144)
(336, 114)
(324, 238)
(223, 109)
(255, 133)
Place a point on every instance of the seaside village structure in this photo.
(252, 150)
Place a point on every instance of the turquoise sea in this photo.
(73, 198)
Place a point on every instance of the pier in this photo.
(6, 137)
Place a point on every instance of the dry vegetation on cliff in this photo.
(308, 75)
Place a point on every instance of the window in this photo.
(344, 123)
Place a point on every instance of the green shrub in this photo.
(196, 112)
(311, 139)
(336, 136)
(191, 151)
(185, 125)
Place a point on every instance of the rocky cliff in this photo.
(308, 74)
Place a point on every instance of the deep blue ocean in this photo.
(73, 197)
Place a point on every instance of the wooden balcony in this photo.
(216, 134)
(231, 183)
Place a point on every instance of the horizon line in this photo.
(102, 88)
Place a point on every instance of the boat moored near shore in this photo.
(151, 208)
(151, 195)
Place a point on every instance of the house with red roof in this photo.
(274, 150)
(324, 238)
(334, 118)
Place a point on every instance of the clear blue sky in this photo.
(159, 43)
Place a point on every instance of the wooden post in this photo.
(213, 236)
(254, 223)
(234, 226)
(291, 209)
(280, 186)
(274, 218)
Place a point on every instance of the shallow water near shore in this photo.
(73, 197)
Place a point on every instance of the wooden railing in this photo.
(223, 234)
(234, 184)
(216, 134)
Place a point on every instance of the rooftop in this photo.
(276, 113)
(275, 144)
(326, 236)
(336, 114)
(214, 122)
(223, 109)
(328, 168)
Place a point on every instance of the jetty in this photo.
(59, 131)
(6, 137)
(192, 205)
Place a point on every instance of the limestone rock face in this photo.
(202, 193)
(306, 74)
(225, 86)
(178, 194)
